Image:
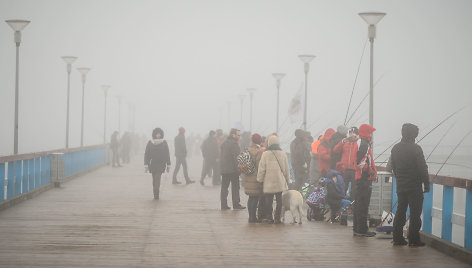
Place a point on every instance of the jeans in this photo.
(232, 178)
(180, 161)
(362, 191)
(414, 199)
(269, 200)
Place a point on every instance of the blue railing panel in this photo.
(31, 174)
(448, 205)
(11, 179)
(2, 182)
(427, 207)
(468, 220)
(18, 178)
(24, 177)
(37, 172)
(47, 170)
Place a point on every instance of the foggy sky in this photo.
(181, 62)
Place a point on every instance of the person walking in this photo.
(229, 170)
(274, 173)
(362, 189)
(180, 157)
(300, 158)
(410, 170)
(157, 159)
(348, 165)
(115, 149)
(252, 187)
(210, 154)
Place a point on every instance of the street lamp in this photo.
(251, 95)
(105, 91)
(68, 60)
(84, 72)
(306, 60)
(17, 26)
(278, 77)
(372, 18)
(241, 99)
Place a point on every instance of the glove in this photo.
(426, 188)
(168, 168)
(146, 169)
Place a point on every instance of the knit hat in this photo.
(256, 138)
(181, 130)
(273, 140)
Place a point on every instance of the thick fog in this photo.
(184, 63)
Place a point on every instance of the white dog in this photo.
(292, 200)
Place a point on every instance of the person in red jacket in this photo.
(324, 152)
(348, 164)
(362, 189)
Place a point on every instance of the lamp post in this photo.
(372, 18)
(251, 96)
(229, 113)
(105, 91)
(68, 60)
(17, 26)
(278, 77)
(306, 59)
(241, 99)
(84, 72)
(119, 112)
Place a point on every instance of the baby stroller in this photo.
(345, 211)
(316, 202)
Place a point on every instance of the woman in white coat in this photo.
(274, 173)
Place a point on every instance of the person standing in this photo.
(180, 157)
(274, 173)
(348, 165)
(314, 172)
(229, 170)
(363, 186)
(410, 170)
(210, 154)
(340, 134)
(324, 152)
(300, 157)
(252, 187)
(115, 149)
(157, 159)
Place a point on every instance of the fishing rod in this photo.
(365, 97)
(355, 81)
(440, 140)
(440, 123)
(463, 138)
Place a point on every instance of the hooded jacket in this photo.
(251, 186)
(210, 149)
(349, 151)
(324, 151)
(365, 159)
(273, 168)
(408, 163)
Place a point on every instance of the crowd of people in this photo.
(342, 159)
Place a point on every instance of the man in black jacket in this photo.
(210, 154)
(300, 158)
(229, 170)
(410, 169)
(180, 157)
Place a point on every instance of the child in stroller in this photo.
(316, 202)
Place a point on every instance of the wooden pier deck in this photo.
(107, 218)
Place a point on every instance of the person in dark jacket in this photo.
(336, 192)
(229, 170)
(157, 159)
(210, 154)
(335, 139)
(115, 149)
(410, 169)
(362, 189)
(180, 157)
(300, 158)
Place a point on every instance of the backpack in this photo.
(245, 163)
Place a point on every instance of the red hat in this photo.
(181, 129)
(256, 138)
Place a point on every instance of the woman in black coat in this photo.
(157, 159)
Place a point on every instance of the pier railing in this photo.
(24, 174)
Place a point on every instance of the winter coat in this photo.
(210, 149)
(336, 156)
(299, 151)
(349, 156)
(365, 159)
(229, 153)
(408, 163)
(324, 151)
(251, 186)
(157, 156)
(273, 169)
(179, 146)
